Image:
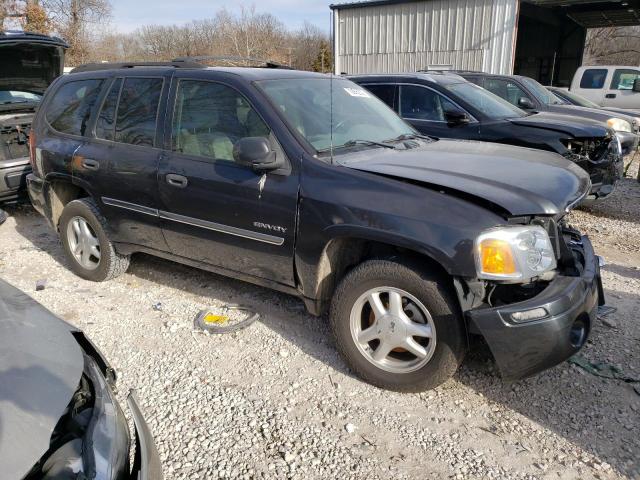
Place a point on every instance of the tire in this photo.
(110, 264)
(427, 291)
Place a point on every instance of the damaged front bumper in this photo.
(560, 319)
(112, 443)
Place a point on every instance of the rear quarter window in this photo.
(70, 108)
(593, 78)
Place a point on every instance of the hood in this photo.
(597, 114)
(623, 111)
(521, 181)
(40, 369)
(564, 123)
(30, 62)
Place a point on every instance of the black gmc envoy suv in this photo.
(310, 185)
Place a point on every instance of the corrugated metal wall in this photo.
(402, 37)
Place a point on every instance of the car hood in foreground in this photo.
(520, 181)
(564, 123)
(30, 62)
(40, 368)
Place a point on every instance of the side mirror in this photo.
(636, 85)
(456, 118)
(526, 103)
(256, 153)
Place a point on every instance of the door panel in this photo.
(121, 163)
(125, 183)
(214, 210)
(620, 93)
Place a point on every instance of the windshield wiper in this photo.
(410, 136)
(353, 143)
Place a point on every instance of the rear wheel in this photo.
(397, 327)
(83, 233)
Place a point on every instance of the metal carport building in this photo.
(543, 39)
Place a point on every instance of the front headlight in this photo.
(619, 125)
(514, 253)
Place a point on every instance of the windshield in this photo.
(486, 102)
(577, 99)
(16, 96)
(543, 95)
(358, 116)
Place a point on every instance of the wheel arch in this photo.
(342, 252)
(61, 189)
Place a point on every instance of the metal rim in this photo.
(393, 330)
(83, 243)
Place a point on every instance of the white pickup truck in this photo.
(609, 86)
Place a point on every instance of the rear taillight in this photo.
(32, 149)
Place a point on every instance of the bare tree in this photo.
(252, 34)
(613, 45)
(306, 43)
(248, 34)
(73, 20)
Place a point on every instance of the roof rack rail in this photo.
(92, 67)
(183, 62)
(448, 70)
(233, 61)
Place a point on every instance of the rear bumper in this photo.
(522, 349)
(13, 179)
(35, 187)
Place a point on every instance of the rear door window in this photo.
(421, 103)
(138, 111)
(386, 93)
(106, 123)
(70, 108)
(623, 79)
(593, 78)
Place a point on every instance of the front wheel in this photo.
(397, 327)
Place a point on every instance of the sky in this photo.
(128, 15)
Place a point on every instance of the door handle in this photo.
(90, 164)
(177, 181)
(610, 95)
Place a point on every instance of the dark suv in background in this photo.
(532, 96)
(446, 105)
(30, 62)
(312, 186)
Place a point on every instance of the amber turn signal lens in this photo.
(496, 257)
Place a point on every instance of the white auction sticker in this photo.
(357, 92)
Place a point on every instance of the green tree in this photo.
(324, 60)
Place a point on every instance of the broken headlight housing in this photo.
(514, 254)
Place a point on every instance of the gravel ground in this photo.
(275, 401)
